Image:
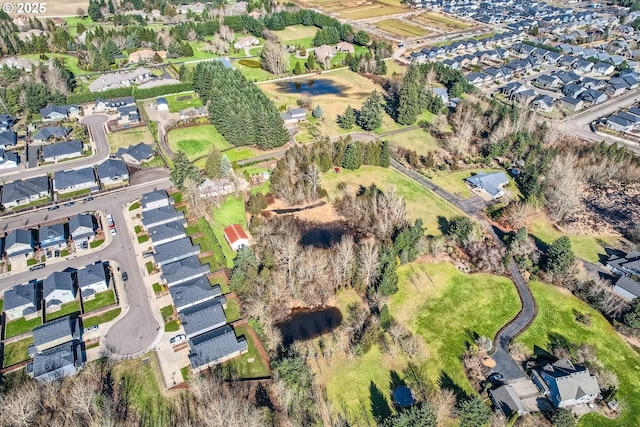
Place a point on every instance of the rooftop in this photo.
(203, 317)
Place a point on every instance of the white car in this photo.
(178, 339)
(113, 232)
(110, 221)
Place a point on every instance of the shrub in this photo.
(251, 63)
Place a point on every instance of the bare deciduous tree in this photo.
(464, 123)
(193, 197)
(20, 407)
(563, 188)
(275, 57)
(368, 261)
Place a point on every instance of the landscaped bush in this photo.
(251, 63)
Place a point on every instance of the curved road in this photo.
(509, 368)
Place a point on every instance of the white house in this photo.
(21, 301)
(91, 280)
(57, 289)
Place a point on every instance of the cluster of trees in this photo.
(241, 112)
(369, 117)
(411, 97)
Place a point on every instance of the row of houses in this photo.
(79, 231)
(200, 306)
(472, 50)
(61, 287)
(125, 108)
(627, 268)
(624, 120)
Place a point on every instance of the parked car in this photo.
(85, 245)
(91, 329)
(53, 208)
(110, 221)
(56, 253)
(113, 232)
(178, 339)
(36, 267)
(496, 376)
(125, 276)
(49, 254)
(88, 199)
(147, 254)
(70, 203)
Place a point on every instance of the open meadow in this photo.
(196, 141)
(127, 137)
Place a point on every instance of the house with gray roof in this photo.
(628, 264)
(569, 103)
(619, 123)
(593, 97)
(136, 154)
(52, 236)
(294, 115)
(49, 133)
(22, 301)
(19, 243)
(8, 159)
(175, 251)
(566, 384)
(62, 151)
(59, 112)
(8, 139)
(22, 192)
(543, 103)
(81, 229)
(56, 332)
(166, 233)
(215, 347)
(7, 122)
(603, 69)
(193, 292)
(625, 287)
(491, 183)
(57, 289)
(183, 271)
(155, 199)
(92, 279)
(74, 180)
(507, 402)
(162, 215)
(204, 317)
(112, 172)
(57, 362)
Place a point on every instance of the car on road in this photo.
(36, 267)
(113, 232)
(125, 276)
(496, 376)
(110, 221)
(88, 199)
(53, 208)
(178, 339)
(70, 203)
(91, 329)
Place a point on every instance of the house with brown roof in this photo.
(325, 51)
(345, 47)
(145, 55)
(244, 42)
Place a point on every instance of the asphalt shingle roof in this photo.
(214, 345)
(21, 295)
(192, 292)
(22, 189)
(188, 267)
(203, 317)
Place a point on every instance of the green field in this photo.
(70, 62)
(16, 352)
(176, 105)
(254, 74)
(454, 182)
(297, 35)
(68, 308)
(421, 203)
(232, 312)
(103, 318)
(250, 364)
(102, 299)
(196, 141)
(556, 315)
(416, 139)
(589, 248)
(400, 28)
(125, 138)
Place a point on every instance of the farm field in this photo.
(353, 10)
(557, 315)
(195, 141)
(181, 101)
(133, 136)
(420, 202)
(400, 28)
(297, 35)
(440, 22)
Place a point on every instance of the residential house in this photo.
(128, 115)
(616, 87)
(215, 347)
(571, 104)
(603, 69)
(324, 52)
(220, 187)
(572, 90)
(22, 301)
(49, 133)
(491, 183)
(591, 83)
(524, 97)
(162, 104)
(119, 80)
(56, 363)
(22, 192)
(183, 271)
(593, 96)
(566, 61)
(566, 384)
(477, 79)
(625, 287)
(345, 47)
(193, 292)
(112, 172)
(52, 334)
(193, 112)
(547, 81)
(154, 200)
(204, 317)
(62, 151)
(543, 103)
(506, 400)
(52, 236)
(81, 230)
(235, 235)
(166, 233)
(619, 124)
(628, 116)
(146, 55)
(92, 280)
(582, 66)
(112, 105)
(8, 139)
(245, 42)
(175, 250)
(57, 289)
(567, 77)
(54, 113)
(8, 159)
(7, 122)
(442, 93)
(294, 115)
(628, 264)
(19, 243)
(136, 154)
(162, 215)
(74, 180)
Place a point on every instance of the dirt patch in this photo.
(614, 208)
(320, 213)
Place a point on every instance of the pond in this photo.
(304, 325)
(314, 87)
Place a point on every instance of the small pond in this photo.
(314, 87)
(304, 325)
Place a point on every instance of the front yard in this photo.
(127, 137)
(103, 318)
(196, 141)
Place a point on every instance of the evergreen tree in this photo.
(226, 168)
(80, 28)
(381, 67)
(317, 112)
(409, 97)
(361, 38)
(256, 203)
(473, 412)
(94, 11)
(311, 62)
(388, 284)
(112, 9)
(351, 159)
(370, 116)
(212, 167)
(385, 155)
(187, 50)
(297, 69)
(385, 317)
(420, 415)
(560, 256)
(562, 417)
(183, 169)
(632, 318)
(348, 119)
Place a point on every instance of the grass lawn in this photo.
(172, 326)
(103, 318)
(16, 352)
(166, 311)
(186, 100)
(231, 211)
(556, 316)
(254, 74)
(232, 312)
(96, 243)
(70, 62)
(68, 308)
(420, 202)
(417, 140)
(133, 207)
(297, 35)
(588, 248)
(20, 326)
(400, 28)
(127, 137)
(156, 162)
(195, 141)
(220, 281)
(102, 299)
(143, 238)
(454, 182)
(157, 288)
(250, 364)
